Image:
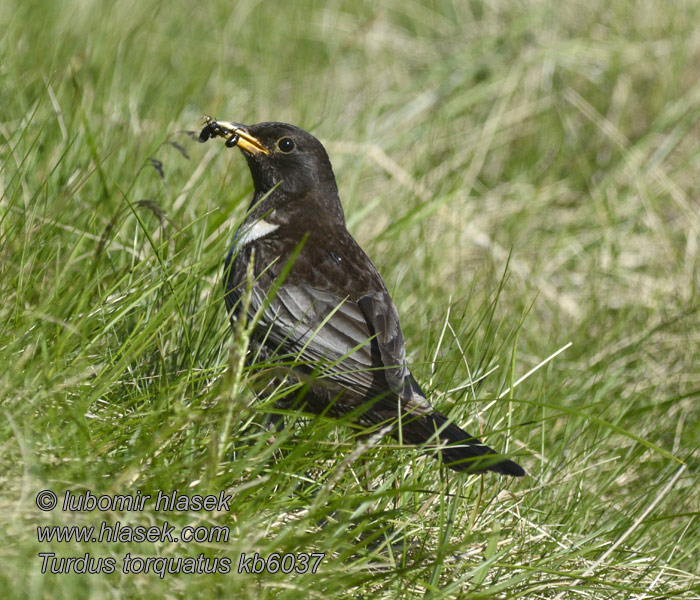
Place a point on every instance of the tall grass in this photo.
(523, 175)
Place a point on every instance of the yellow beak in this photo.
(235, 134)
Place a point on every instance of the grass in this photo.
(524, 175)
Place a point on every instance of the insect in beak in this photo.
(234, 133)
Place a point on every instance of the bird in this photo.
(322, 302)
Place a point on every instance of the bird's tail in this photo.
(460, 451)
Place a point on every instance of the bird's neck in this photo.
(311, 209)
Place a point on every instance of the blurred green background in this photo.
(523, 174)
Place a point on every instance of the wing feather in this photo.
(318, 327)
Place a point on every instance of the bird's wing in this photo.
(317, 327)
(358, 345)
(383, 319)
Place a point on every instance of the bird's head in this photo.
(279, 156)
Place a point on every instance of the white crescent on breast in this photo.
(255, 231)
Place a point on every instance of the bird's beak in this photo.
(237, 135)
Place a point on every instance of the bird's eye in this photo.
(285, 144)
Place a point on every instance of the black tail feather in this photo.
(462, 452)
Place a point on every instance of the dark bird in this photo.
(332, 311)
